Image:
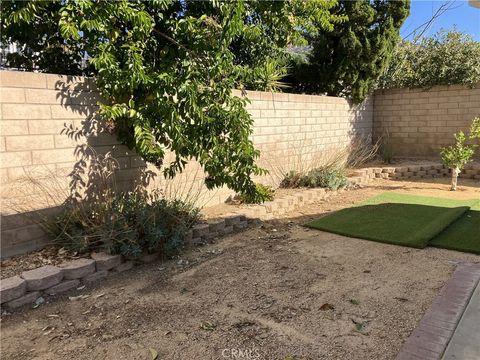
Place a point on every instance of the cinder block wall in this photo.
(420, 122)
(38, 111)
(296, 131)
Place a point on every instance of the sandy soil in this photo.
(272, 292)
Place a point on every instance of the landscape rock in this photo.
(12, 288)
(43, 277)
(104, 261)
(63, 286)
(22, 301)
(77, 269)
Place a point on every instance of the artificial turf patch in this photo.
(407, 220)
(463, 234)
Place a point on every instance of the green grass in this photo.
(408, 220)
(463, 234)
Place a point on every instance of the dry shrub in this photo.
(93, 213)
(360, 151)
(303, 159)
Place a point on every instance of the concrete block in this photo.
(228, 229)
(240, 226)
(62, 287)
(13, 159)
(27, 142)
(388, 170)
(11, 95)
(197, 242)
(96, 276)
(12, 288)
(77, 269)
(200, 230)
(270, 206)
(232, 220)
(127, 265)
(25, 111)
(216, 225)
(22, 79)
(27, 299)
(43, 277)
(104, 261)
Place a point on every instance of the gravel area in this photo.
(279, 291)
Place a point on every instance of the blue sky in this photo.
(466, 18)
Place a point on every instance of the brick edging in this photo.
(432, 335)
(405, 172)
(24, 289)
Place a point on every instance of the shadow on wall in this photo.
(94, 167)
(102, 163)
(101, 166)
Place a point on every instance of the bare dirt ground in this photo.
(271, 292)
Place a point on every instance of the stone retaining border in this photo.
(411, 172)
(18, 291)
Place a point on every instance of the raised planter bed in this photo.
(25, 288)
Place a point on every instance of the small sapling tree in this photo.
(459, 154)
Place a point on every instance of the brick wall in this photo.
(47, 121)
(420, 122)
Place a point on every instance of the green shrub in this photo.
(263, 193)
(130, 224)
(326, 178)
(329, 178)
(458, 155)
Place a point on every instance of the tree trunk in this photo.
(455, 173)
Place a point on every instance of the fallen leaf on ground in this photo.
(153, 353)
(326, 307)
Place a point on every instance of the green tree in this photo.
(447, 58)
(458, 155)
(35, 29)
(349, 60)
(166, 70)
